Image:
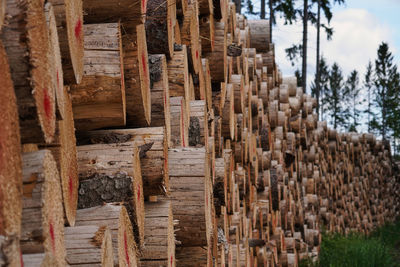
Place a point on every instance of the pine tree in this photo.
(368, 85)
(352, 91)
(335, 96)
(386, 92)
(323, 86)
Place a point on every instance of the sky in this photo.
(359, 27)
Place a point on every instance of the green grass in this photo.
(380, 249)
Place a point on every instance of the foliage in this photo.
(387, 94)
(380, 248)
(335, 97)
(324, 86)
(352, 91)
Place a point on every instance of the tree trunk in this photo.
(318, 74)
(271, 17)
(304, 54)
(262, 13)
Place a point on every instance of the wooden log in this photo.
(64, 151)
(99, 100)
(109, 11)
(206, 28)
(190, 195)
(69, 18)
(10, 155)
(159, 235)
(28, 50)
(228, 112)
(218, 59)
(55, 58)
(10, 253)
(42, 214)
(2, 12)
(179, 122)
(178, 74)
(160, 106)
(191, 256)
(116, 218)
(198, 127)
(89, 245)
(160, 27)
(110, 170)
(153, 153)
(137, 76)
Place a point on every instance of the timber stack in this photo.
(162, 133)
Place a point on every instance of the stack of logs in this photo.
(162, 133)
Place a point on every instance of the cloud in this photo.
(357, 35)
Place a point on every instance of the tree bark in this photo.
(305, 33)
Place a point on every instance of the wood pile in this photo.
(162, 133)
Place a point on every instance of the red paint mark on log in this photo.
(144, 6)
(144, 65)
(47, 104)
(172, 260)
(126, 250)
(78, 30)
(58, 81)
(52, 236)
(197, 54)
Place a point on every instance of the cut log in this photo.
(99, 100)
(64, 152)
(159, 235)
(28, 50)
(207, 33)
(198, 126)
(153, 153)
(137, 75)
(178, 74)
(160, 27)
(69, 18)
(10, 253)
(89, 245)
(55, 59)
(179, 122)
(42, 214)
(110, 11)
(116, 218)
(228, 113)
(10, 155)
(190, 194)
(218, 59)
(105, 172)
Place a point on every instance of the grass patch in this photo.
(381, 249)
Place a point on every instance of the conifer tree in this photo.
(353, 102)
(335, 96)
(368, 85)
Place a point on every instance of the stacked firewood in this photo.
(162, 133)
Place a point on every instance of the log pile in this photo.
(151, 133)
